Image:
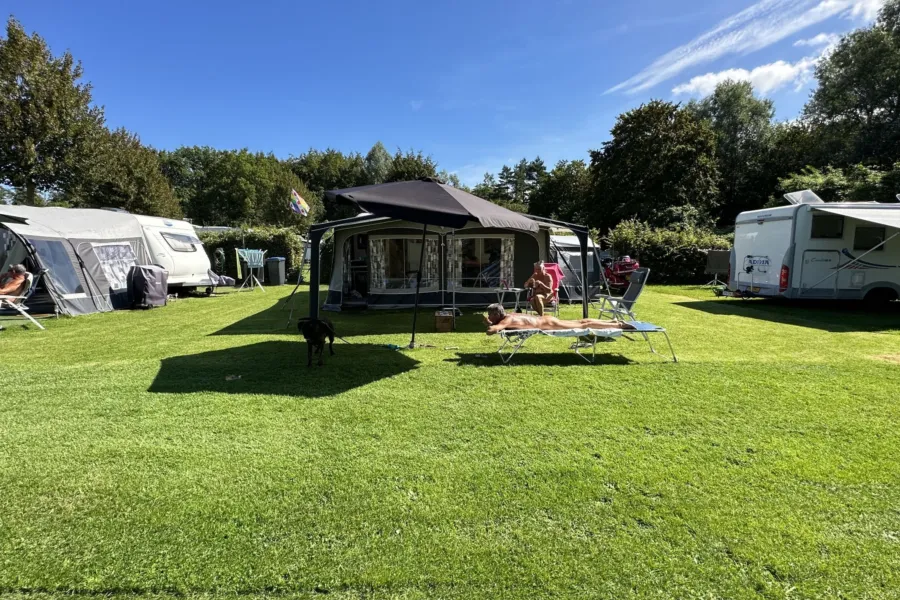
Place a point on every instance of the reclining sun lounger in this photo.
(584, 338)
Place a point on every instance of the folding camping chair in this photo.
(16, 303)
(622, 308)
(718, 262)
(256, 260)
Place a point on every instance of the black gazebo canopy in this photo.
(429, 202)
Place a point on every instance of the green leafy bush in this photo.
(673, 255)
(284, 242)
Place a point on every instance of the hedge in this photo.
(284, 242)
(673, 255)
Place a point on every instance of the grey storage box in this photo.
(147, 286)
(275, 270)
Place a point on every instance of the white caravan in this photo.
(818, 250)
(174, 245)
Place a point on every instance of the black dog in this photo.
(316, 331)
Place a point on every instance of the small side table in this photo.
(516, 292)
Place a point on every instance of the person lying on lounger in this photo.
(497, 320)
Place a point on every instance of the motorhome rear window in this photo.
(827, 227)
(181, 243)
(867, 238)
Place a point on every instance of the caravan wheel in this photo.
(880, 297)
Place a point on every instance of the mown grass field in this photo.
(766, 464)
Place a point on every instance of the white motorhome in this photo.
(174, 245)
(818, 250)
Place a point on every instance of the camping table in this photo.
(501, 294)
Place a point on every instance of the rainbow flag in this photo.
(298, 204)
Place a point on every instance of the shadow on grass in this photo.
(279, 368)
(532, 359)
(817, 314)
(274, 320)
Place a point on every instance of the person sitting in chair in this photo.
(497, 320)
(11, 282)
(541, 285)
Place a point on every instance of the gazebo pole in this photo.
(412, 342)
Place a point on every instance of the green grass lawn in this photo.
(765, 464)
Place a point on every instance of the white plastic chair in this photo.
(16, 304)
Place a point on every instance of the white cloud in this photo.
(416, 104)
(823, 39)
(866, 10)
(755, 28)
(765, 78)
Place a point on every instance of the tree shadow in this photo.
(833, 316)
(556, 359)
(279, 368)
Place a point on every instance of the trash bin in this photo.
(275, 270)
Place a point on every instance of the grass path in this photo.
(765, 464)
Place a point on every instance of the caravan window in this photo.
(62, 271)
(827, 227)
(481, 262)
(180, 242)
(867, 238)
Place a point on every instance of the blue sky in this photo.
(476, 84)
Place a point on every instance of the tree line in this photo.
(667, 165)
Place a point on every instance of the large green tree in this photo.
(236, 187)
(563, 193)
(856, 183)
(123, 174)
(47, 121)
(659, 167)
(323, 170)
(378, 164)
(857, 101)
(410, 165)
(743, 127)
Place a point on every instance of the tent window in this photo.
(7, 241)
(116, 261)
(401, 262)
(827, 227)
(395, 261)
(574, 260)
(481, 262)
(867, 238)
(180, 242)
(62, 272)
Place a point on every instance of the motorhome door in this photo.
(819, 273)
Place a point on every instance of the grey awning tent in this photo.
(81, 256)
(565, 250)
(430, 203)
